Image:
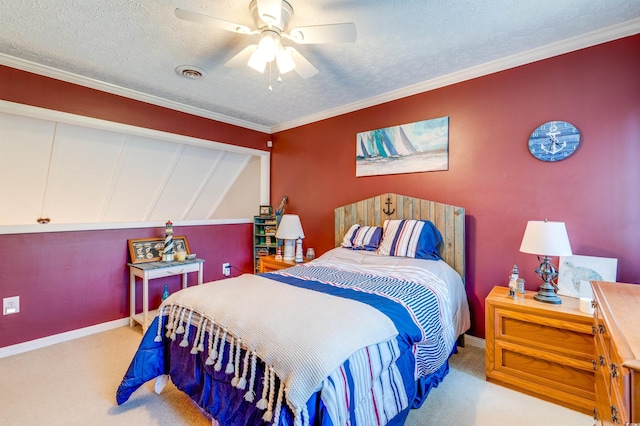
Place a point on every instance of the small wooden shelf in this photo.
(264, 238)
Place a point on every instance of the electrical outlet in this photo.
(11, 305)
(226, 269)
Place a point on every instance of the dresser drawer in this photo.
(549, 334)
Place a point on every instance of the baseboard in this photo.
(62, 337)
(475, 341)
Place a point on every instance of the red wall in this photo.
(491, 172)
(70, 280)
(31, 89)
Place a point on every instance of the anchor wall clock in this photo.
(554, 141)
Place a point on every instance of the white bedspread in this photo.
(294, 330)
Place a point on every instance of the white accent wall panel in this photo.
(77, 174)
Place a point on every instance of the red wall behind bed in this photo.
(491, 172)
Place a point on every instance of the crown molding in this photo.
(611, 33)
(91, 83)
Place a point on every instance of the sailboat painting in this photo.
(422, 146)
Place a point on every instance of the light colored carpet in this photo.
(74, 383)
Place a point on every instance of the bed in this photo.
(358, 336)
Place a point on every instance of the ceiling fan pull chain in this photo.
(270, 87)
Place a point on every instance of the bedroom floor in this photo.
(74, 383)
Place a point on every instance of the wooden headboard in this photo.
(374, 211)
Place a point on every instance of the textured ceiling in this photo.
(133, 48)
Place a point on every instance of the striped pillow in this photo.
(367, 238)
(348, 237)
(362, 237)
(410, 238)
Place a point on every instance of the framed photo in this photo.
(266, 211)
(575, 272)
(150, 249)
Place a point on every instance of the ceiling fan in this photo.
(271, 19)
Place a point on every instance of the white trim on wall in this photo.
(62, 337)
(63, 227)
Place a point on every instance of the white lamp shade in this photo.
(290, 227)
(546, 238)
(284, 61)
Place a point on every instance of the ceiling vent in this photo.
(191, 72)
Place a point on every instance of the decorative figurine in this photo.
(298, 258)
(513, 280)
(167, 253)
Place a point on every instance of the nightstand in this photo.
(541, 349)
(152, 270)
(270, 264)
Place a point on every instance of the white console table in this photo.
(152, 270)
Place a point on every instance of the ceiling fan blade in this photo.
(330, 33)
(200, 18)
(241, 59)
(270, 11)
(303, 67)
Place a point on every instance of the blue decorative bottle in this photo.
(165, 292)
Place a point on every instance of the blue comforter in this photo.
(418, 328)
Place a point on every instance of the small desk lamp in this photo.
(544, 239)
(290, 230)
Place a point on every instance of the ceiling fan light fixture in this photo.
(285, 61)
(257, 62)
(268, 45)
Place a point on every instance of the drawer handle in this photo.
(614, 370)
(595, 414)
(181, 271)
(614, 414)
(601, 360)
(595, 365)
(601, 328)
(594, 304)
(593, 329)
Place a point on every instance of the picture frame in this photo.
(421, 146)
(266, 210)
(142, 250)
(576, 271)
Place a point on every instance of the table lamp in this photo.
(544, 239)
(290, 230)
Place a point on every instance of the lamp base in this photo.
(546, 294)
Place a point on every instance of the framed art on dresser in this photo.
(576, 272)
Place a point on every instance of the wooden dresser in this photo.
(617, 319)
(541, 349)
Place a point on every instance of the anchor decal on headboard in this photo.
(388, 211)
